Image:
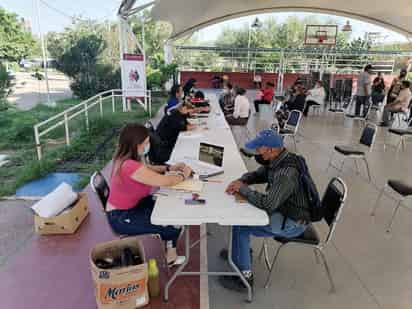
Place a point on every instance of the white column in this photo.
(168, 54)
(122, 50)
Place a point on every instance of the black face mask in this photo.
(259, 159)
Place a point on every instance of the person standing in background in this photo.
(378, 90)
(363, 91)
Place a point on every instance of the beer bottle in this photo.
(154, 284)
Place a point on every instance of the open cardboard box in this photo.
(65, 223)
(124, 287)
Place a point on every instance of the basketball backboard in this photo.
(321, 34)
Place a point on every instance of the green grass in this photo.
(16, 129)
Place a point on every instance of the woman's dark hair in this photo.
(173, 90)
(240, 91)
(270, 84)
(132, 135)
(229, 85)
(199, 95)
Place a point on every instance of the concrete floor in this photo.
(371, 268)
(29, 92)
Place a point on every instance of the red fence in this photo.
(245, 80)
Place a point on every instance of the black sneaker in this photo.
(234, 283)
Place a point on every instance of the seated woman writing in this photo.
(131, 202)
(241, 110)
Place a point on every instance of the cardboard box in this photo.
(120, 288)
(67, 222)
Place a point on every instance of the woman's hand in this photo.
(187, 171)
(190, 127)
(177, 167)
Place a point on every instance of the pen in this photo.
(159, 193)
(212, 180)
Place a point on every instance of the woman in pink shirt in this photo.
(130, 202)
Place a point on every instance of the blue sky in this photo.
(56, 20)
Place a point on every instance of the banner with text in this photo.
(133, 76)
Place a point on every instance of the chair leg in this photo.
(294, 142)
(268, 279)
(341, 166)
(377, 201)
(325, 263)
(399, 145)
(367, 168)
(330, 161)
(389, 228)
(315, 252)
(357, 167)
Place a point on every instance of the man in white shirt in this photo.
(401, 104)
(363, 90)
(241, 111)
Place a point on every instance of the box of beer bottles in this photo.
(120, 274)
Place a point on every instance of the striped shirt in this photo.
(283, 191)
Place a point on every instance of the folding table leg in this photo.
(180, 268)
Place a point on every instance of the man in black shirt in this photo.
(297, 103)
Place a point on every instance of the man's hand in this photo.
(234, 187)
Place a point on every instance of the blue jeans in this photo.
(241, 237)
(136, 221)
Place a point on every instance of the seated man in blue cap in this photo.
(285, 202)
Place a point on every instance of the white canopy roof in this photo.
(187, 16)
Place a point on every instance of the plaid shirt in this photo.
(283, 191)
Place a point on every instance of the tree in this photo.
(5, 85)
(15, 42)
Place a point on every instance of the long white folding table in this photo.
(220, 207)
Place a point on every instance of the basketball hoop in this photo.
(321, 35)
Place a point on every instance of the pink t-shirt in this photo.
(125, 192)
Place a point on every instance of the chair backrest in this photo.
(368, 135)
(100, 187)
(333, 201)
(294, 120)
(149, 125)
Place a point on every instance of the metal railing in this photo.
(276, 60)
(63, 118)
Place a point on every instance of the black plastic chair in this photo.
(355, 152)
(403, 189)
(333, 201)
(101, 188)
(403, 134)
(292, 125)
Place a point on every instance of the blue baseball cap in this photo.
(265, 138)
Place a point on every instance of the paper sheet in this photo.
(191, 135)
(189, 186)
